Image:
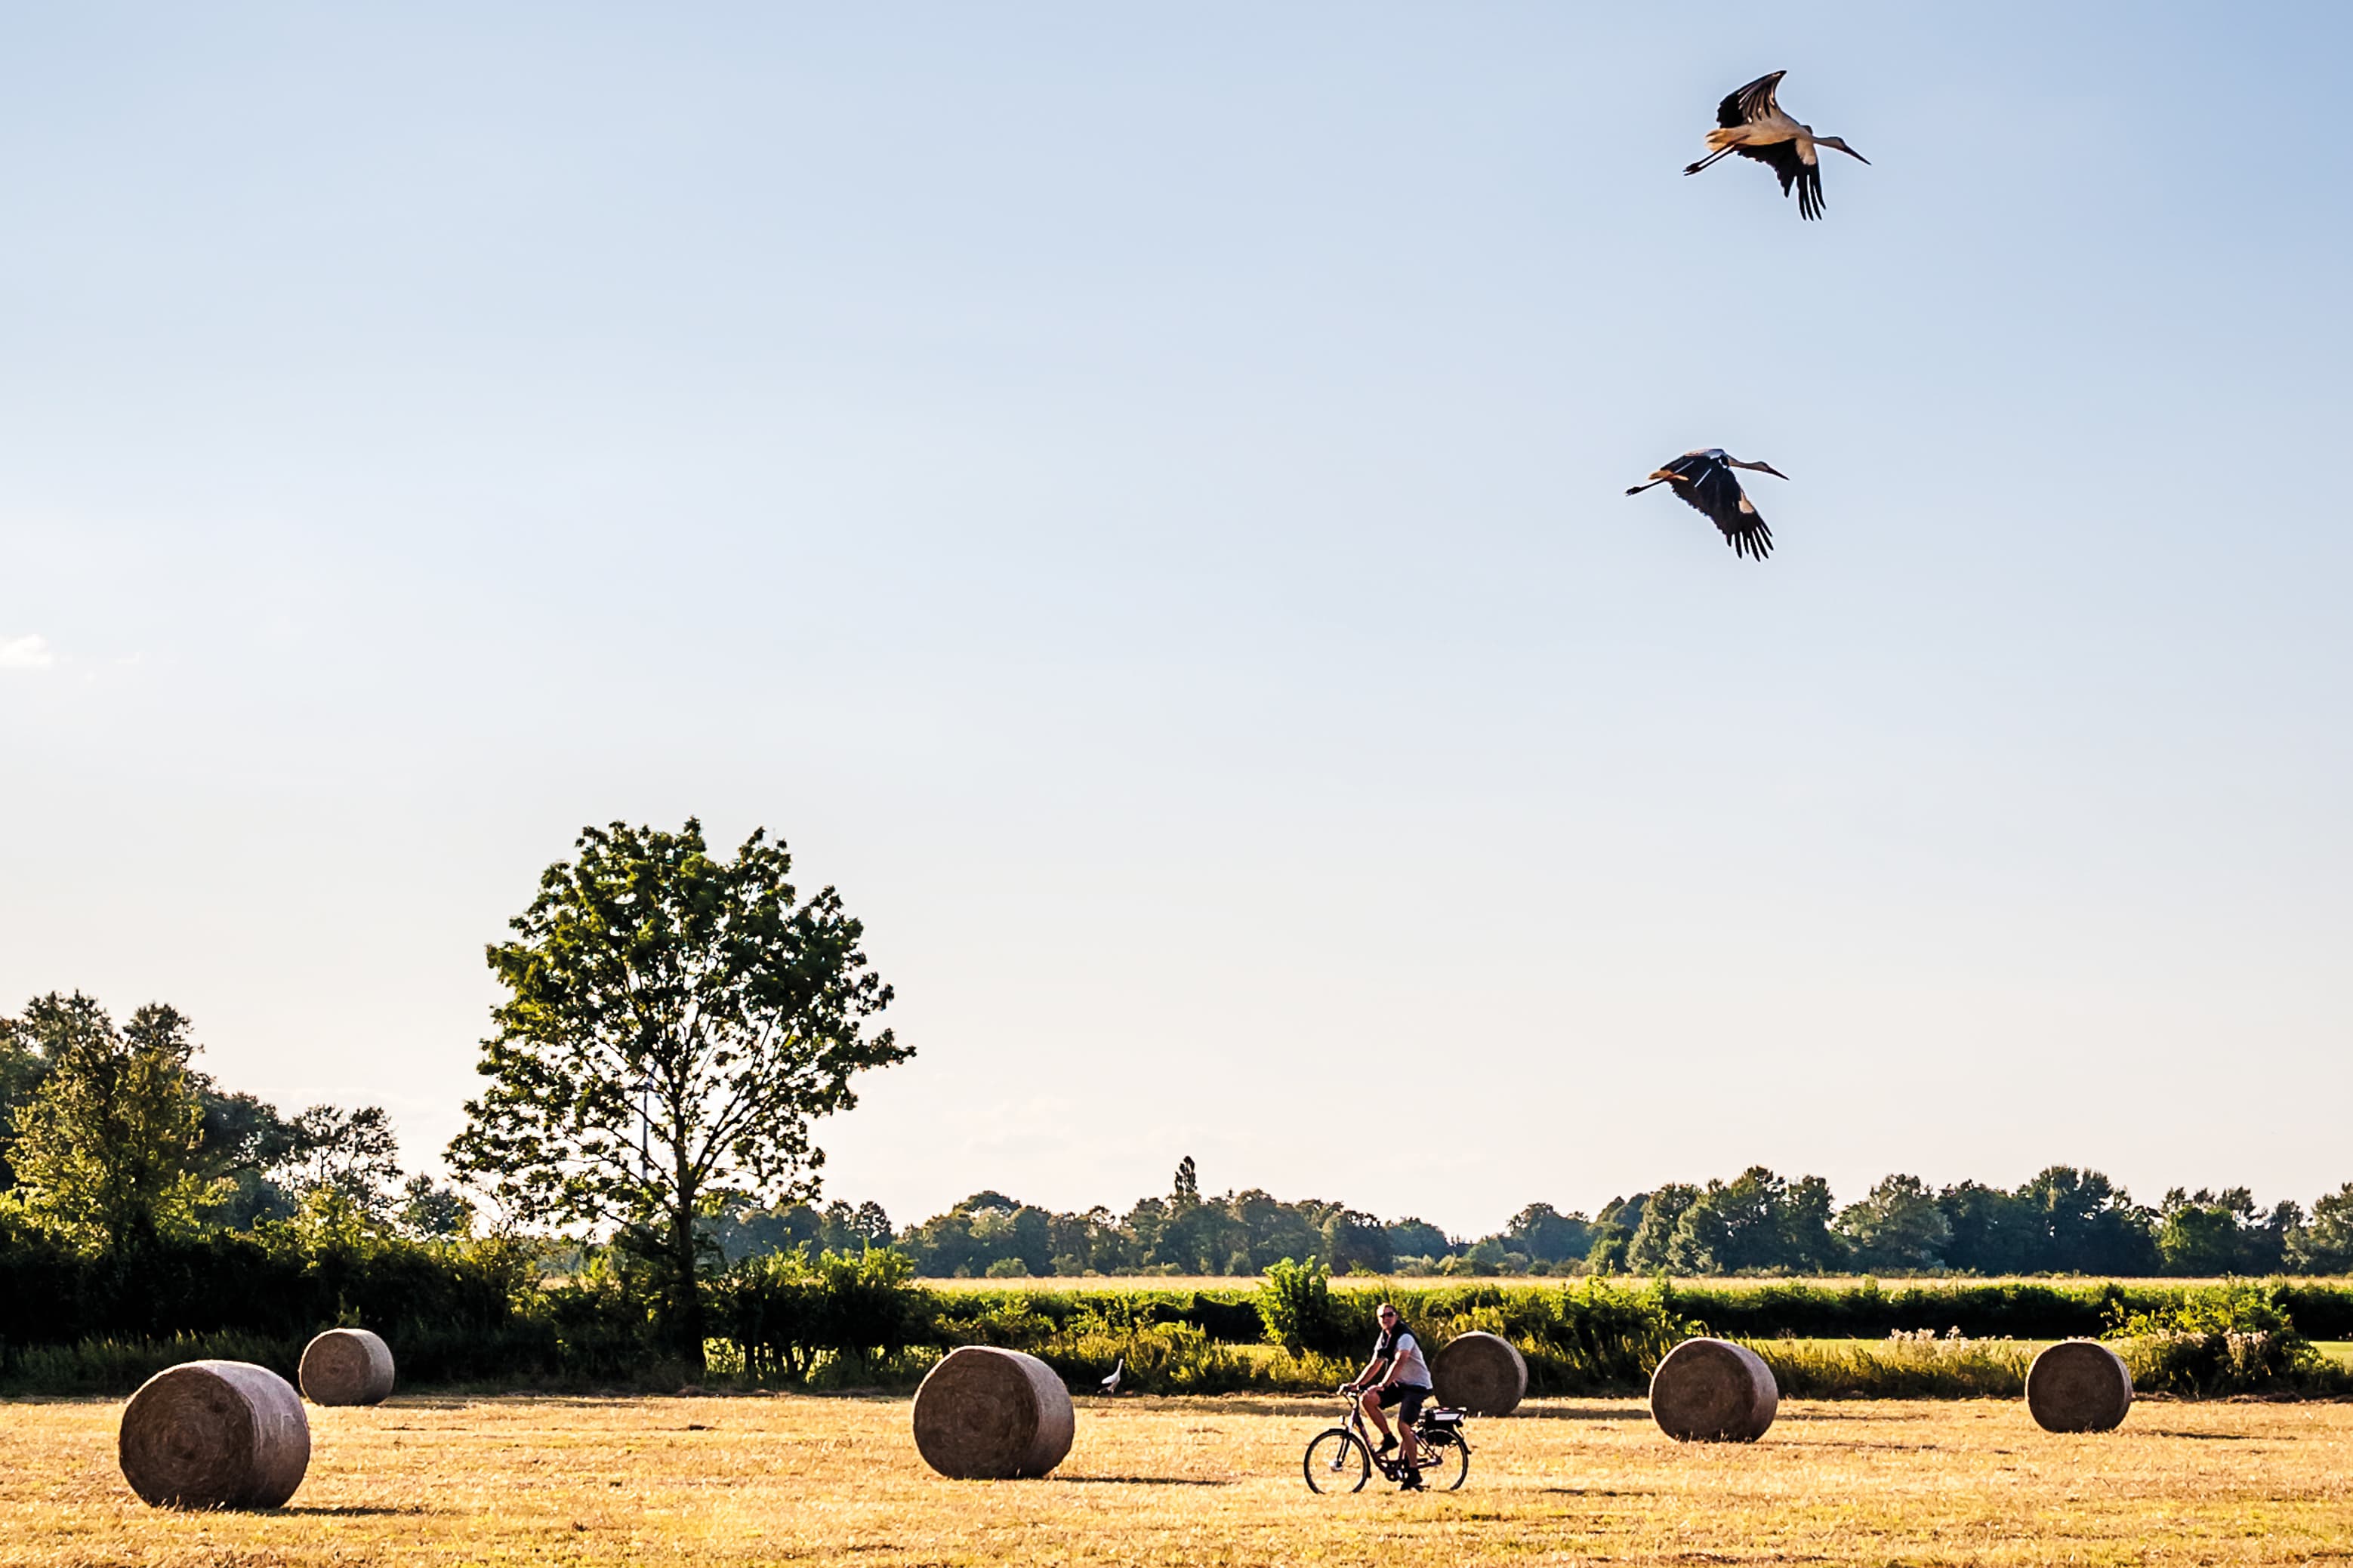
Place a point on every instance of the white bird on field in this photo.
(1704, 478)
(1753, 125)
(1111, 1385)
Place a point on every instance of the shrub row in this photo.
(2013, 1309)
(480, 1315)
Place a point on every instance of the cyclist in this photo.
(1404, 1382)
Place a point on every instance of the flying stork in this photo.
(1751, 123)
(1704, 478)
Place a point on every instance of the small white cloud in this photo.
(31, 651)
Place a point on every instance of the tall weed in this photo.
(1905, 1365)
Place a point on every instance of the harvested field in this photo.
(1383, 1282)
(745, 1480)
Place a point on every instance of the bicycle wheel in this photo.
(1445, 1463)
(1336, 1462)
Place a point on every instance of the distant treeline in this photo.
(2063, 1221)
(111, 1141)
(148, 1214)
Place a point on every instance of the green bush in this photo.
(2236, 1338)
(786, 1315)
(1296, 1306)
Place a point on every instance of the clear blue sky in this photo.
(1135, 501)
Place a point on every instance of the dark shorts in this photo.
(1405, 1398)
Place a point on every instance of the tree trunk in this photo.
(685, 1291)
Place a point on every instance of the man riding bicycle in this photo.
(1404, 1382)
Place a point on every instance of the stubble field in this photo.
(1199, 1482)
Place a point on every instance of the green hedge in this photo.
(2024, 1310)
(480, 1315)
(2012, 1309)
(474, 1313)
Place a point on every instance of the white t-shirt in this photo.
(1399, 1347)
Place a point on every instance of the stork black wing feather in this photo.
(1710, 489)
(1752, 102)
(1783, 158)
(1717, 493)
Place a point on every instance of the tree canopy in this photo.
(105, 1146)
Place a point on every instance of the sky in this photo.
(1133, 498)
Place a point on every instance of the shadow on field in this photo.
(1143, 1481)
(356, 1509)
(1211, 1404)
(2207, 1437)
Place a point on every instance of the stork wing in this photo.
(1751, 103)
(1795, 169)
(1710, 489)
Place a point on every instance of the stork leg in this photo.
(1711, 158)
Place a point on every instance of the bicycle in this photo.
(1341, 1458)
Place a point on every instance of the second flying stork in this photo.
(1753, 123)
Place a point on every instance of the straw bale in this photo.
(1713, 1391)
(214, 1434)
(984, 1413)
(2079, 1385)
(347, 1366)
(1483, 1373)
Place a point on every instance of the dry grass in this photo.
(1629, 1281)
(755, 1481)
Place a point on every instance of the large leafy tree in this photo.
(1647, 1250)
(31, 1045)
(1992, 1231)
(2207, 1232)
(106, 1150)
(351, 1157)
(1548, 1235)
(674, 1023)
(1898, 1226)
(2325, 1245)
(2084, 1224)
(245, 1142)
(1756, 1220)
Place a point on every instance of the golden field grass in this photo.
(1206, 1482)
(1681, 1283)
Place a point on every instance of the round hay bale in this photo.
(214, 1434)
(2078, 1385)
(1713, 1391)
(1481, 1372)
(990, 1415)
(346, 1366)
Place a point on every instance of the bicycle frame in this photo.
(1432, 1435)
(1391, 1468)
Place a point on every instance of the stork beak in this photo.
(1850, 152)
(1770, 468)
